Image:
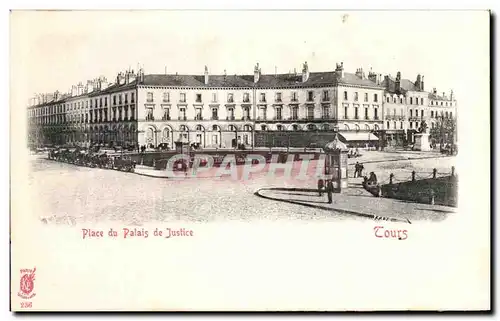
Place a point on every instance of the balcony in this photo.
(214, 118)
(230, 100)
(182, 118)
(230, 118)
(165, 117)
(278, 118)
(198, 117)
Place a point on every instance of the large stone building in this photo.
(224, 110)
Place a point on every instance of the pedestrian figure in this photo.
(321, 185)
(356, 170)
(360, 170)
(329, 190)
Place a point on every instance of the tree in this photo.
(444, 131)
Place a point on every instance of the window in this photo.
(132, 113)
(375, 98)
(279, 127)
(432, 125)
(263, 97)
(411, 113)
(100, 102)
(120, 99)
(394, 125)
(401, 125)
(356, 115)
(294, 96)
(376, 113)
(451, 114)
(215, 114)
(166, 97)
(230, 98)
(263, 113)
(432, 113)
(416, 125)
(421, 101)
(230, 113)
(395, 100)
(278, 113)
(441, 103)
(432, 103)
(149, 97)
(326, 112)
(106, 101)
(183, 98)
(295, 113)
(246, 97)
(246, 113)
(126, 98)
(182, 113)
(411, 124)
(263, 127)
(198, 98)
(446, 115)
(310, 112)
(366, 113)
(149, 114)
(166, 114)
(214, 97)
(411, 100)
(325, 95)
(198, 114)
(310, 95)
(366, 97)
(345, 95)
(394, 112)
(278, 97)
(345, 112)
(422, 113)
(356, 96)
(132, 98)
(416, 101)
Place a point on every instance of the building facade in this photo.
(222, 111)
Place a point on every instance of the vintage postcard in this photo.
(250, 160)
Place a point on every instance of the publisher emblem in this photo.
(27, 283)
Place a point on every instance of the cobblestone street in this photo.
(95, 195)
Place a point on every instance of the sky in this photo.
(52, 50)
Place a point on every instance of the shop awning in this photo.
(358, 136)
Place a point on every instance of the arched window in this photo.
(367, 127)
(311, 127)
(247, 128)
(263, 127)
(215, 128)
(411, 100)
(295, 127)
(401, 100)
(376, 127)
(279, 127)
(199, 128)
(326, 127)
(357, 128)
(231, 128)
(166, 132)
(395, 100)
(346, 127)
(388, 99)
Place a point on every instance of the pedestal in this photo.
(422, 142)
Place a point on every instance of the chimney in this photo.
(74, 91)
(451, 95)
(206, 75)
(103, 83)
(256, 73)
(434, 91)
(360, 73)
(418, 82)
(305, 72)
(398, 82)
(373, 76)
(90, 86)
(295, 71)
(340, 70)
(422, 84)
(127, 77)
(141, 75)
(379, 79)
(57, 95)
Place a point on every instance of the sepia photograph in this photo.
(177, 160)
